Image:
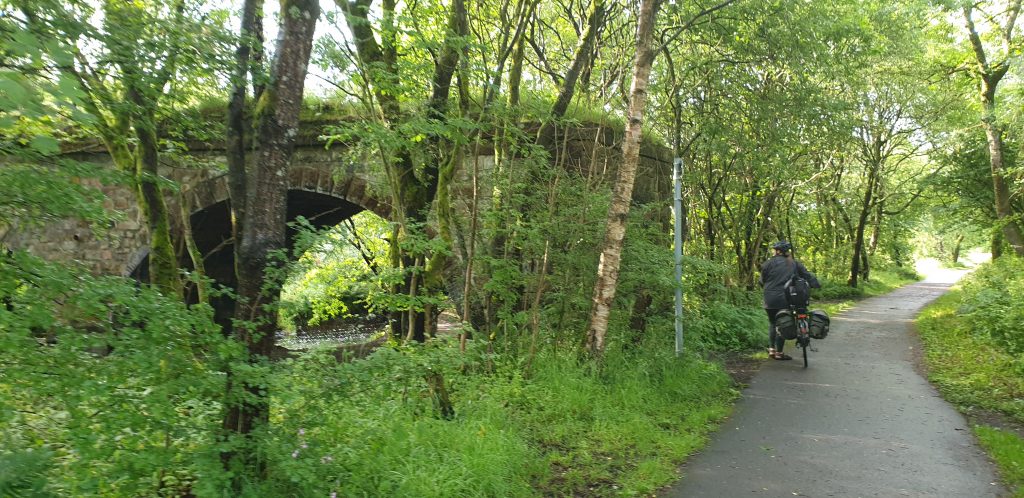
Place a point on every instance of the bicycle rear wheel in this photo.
(805, 353)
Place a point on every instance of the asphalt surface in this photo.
(859, 421)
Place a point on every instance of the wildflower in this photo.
(295, 454)
(302, 432)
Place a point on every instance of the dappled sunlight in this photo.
(976, 257)
(433, 255)
(934, 272)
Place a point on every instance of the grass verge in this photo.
(1007, 449)
(979, 378)
(372, 428)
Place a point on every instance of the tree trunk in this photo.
(582, 59)
(956, 248)
(163, 263)
(865, 270)
(876, 227)
(264, 230)
(618, 212)
(581, 62)
(198, 264)
(997, 244)
(855, 261)
(862, 222)
(515, 74)
(1004, 211)
(238, 125)
(411, 197)
(990, 74)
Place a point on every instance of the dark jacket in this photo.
(775, 273)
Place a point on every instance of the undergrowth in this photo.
(371, 428)
(973, 355)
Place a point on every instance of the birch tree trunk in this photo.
(618, 212)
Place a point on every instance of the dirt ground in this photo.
(740, 366)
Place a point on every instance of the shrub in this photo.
(723, 327)
(832, 290)
(993, 303)
(106, 388)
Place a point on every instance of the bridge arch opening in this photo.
(211, 231)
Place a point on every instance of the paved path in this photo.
(858, 422)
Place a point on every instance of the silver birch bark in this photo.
(618, 212)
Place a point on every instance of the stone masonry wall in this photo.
(593, 152)
(118, 250)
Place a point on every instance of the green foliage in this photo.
(36, 193)
(882, 281)
(994, 304)
(834, 290)
(110, 390)
(36, 184)
(834, 297)
(965, 200)
(976, 362)
(339, 425)
(628, 430)
(23, 472)
(969, 368)
(1007, 449)
(725, 327)
(107, 388)
(562, 431)
(543, 210)
(335, 272)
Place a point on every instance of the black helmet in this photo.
(782, 245)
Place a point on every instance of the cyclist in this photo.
(775, 272)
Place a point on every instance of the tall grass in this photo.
(370, 428)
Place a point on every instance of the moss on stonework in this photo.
(163, 265)
(320, 112)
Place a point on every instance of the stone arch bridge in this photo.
(325, 186)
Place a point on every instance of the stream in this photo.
(353, 330)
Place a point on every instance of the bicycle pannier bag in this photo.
(785, 324)
(818, 326)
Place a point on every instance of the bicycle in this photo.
(794, 323)
(803, 330)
